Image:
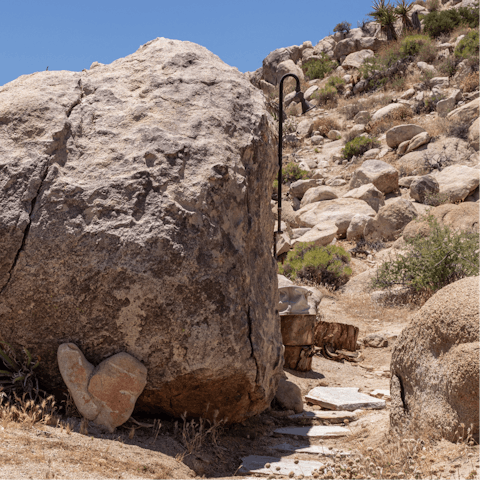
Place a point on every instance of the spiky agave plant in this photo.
(384, 13)
(18, 377)
(402, 9)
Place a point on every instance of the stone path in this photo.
(338, 398)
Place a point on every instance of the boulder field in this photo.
(135, 217)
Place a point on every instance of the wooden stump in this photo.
(299, 357)
(339, 336)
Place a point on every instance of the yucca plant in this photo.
(402, 9)
(18, 378)
(384, 13)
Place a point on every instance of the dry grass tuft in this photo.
(27, 412)
(325, 124)
(470, 84)
(398, 117)
(195, 433)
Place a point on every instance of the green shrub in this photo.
(292, 172)
(468, 48)
(335, 81)
(420, 46)
(447, 67)
(436, 23)
(323, 265)
(432, 262)
(18, 377)
(343, 27)
(318, 68)
(326, 94)
(358, 146)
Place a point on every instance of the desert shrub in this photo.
(433, 5)
(18, 377)
(318, 68)
(358, 146)
(436, 199)
(468, 48)
(470, 83)
(432, 262)
(324, 124)
(326, 95)
(436, 23)
(447, 67)
(343, 27)
(292, 172)
(323, 265)
(419, 46)
(335, 81)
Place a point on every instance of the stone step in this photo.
(310, 449)
(315, 418)
(263, 465)
(339, 398)
(319, 431)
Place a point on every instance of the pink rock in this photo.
(106, 394)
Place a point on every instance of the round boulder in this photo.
(435, 366)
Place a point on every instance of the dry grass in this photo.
(325, 124)
(26, 412)
(398, 117)
(196, 433)
(470, 83)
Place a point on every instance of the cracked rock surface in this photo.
(134, 217)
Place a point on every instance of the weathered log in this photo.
(339, 336)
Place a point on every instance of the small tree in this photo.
(384, 13)
(342, 27)
(403, 9)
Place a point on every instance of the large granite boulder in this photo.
(435, 365)
(135, 217)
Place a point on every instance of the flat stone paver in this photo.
(339, 398)
(320, 431)
(313, 449)
(256, 464)
(381, 393)
(329, 415)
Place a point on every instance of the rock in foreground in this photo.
(435, 365)
(135, 218)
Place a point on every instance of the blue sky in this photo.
(70, 35)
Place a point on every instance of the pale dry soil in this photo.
(41, 451)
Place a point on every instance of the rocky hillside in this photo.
(394, 128)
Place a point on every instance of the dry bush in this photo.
(195, 433)
(350, 108)
(398, 117)
(444, 126)
(325, 124)
(470, 83)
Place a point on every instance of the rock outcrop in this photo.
(135, 218)
(435, 365)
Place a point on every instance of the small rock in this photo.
(333, 134)
(423, 186)
(418, 141)
(375, 340)
(289, 396)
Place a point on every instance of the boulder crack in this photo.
(249, 318)
(27, 229)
